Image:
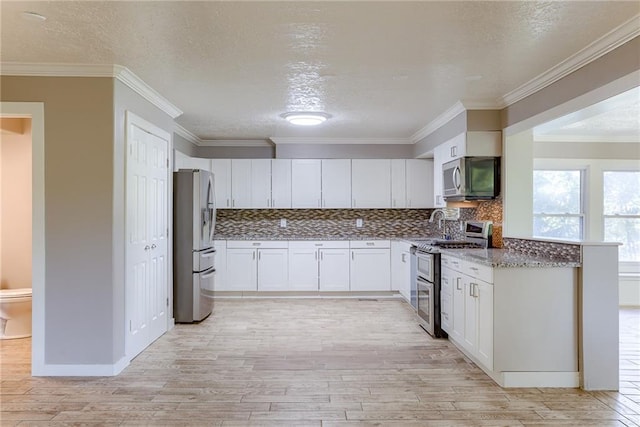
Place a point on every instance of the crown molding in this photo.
(438, 122)
(341, 141)
(119, 72)
(605, 44)
(134, 82)
(186, 134)
(235, 143)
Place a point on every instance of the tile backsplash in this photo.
(341, 223)
(322, 223)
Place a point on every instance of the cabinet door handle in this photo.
(233, 203)
(254, 255)
(471, 290)
(227, 202)
(321, 256)
(352, 256)
(402, 258)
(458, 284)
(316, 254)
(259, 256)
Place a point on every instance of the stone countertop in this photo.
(311, 238)
(503, 258)
(495, 257)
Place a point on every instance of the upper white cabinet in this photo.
(371, 183)
(306, 183)
(280, 183)
(251, 183)
(221, 169)
(419, 183)
(398, 183)
(440, 156)
(336, 183)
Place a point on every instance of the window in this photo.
(621, 210)
(557, 204)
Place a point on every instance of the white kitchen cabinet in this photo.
(250, 183)
(401, 269)
(370, 267)
(484, 310)
(336, 183)
(419, 183)
(334, 269)
(303, 266)
(242, 272)
(273, 270)
(320, 266)
(220, 264)
(281, 183)
(398, 183)
(440, 156)
(446, 300)
(371, 183)
(221, 169)
(306, 183)
(256, 265)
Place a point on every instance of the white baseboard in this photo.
(540, 379)
(51, 370)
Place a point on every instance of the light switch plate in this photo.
(283, 223)
(359, 223)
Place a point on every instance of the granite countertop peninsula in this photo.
(504, 258)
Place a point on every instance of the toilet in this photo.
(15, 313)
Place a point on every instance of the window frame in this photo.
(583, 203)
(624, 266)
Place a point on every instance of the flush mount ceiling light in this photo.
(301, 118)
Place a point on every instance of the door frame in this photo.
(133, 119)
(35, 112)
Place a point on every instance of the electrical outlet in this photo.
(283, 223)
(359, 223)
(461, 226)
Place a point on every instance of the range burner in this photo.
(432, 245)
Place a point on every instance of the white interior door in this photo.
(146, 229)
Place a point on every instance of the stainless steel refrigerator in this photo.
(194, 221)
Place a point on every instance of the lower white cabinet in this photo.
(320, 266)
(370, 267)
(256, 265)
(401, 269)
(519, 324)
(273, 270)
(242, 273)
(470, 314)
(334, 269)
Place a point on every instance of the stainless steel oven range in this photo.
(428, 290)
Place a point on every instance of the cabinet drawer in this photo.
(451, 262)
(323, 244)
(368, 244)
(257, 244)
(482, 272)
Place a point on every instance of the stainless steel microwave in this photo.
(471, 178)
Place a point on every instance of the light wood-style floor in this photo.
(315, 362)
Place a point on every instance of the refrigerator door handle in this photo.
(206, 274)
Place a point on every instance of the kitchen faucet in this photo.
(440, 221)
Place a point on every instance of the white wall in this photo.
(16, 209)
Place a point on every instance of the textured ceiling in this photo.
(381, 69)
